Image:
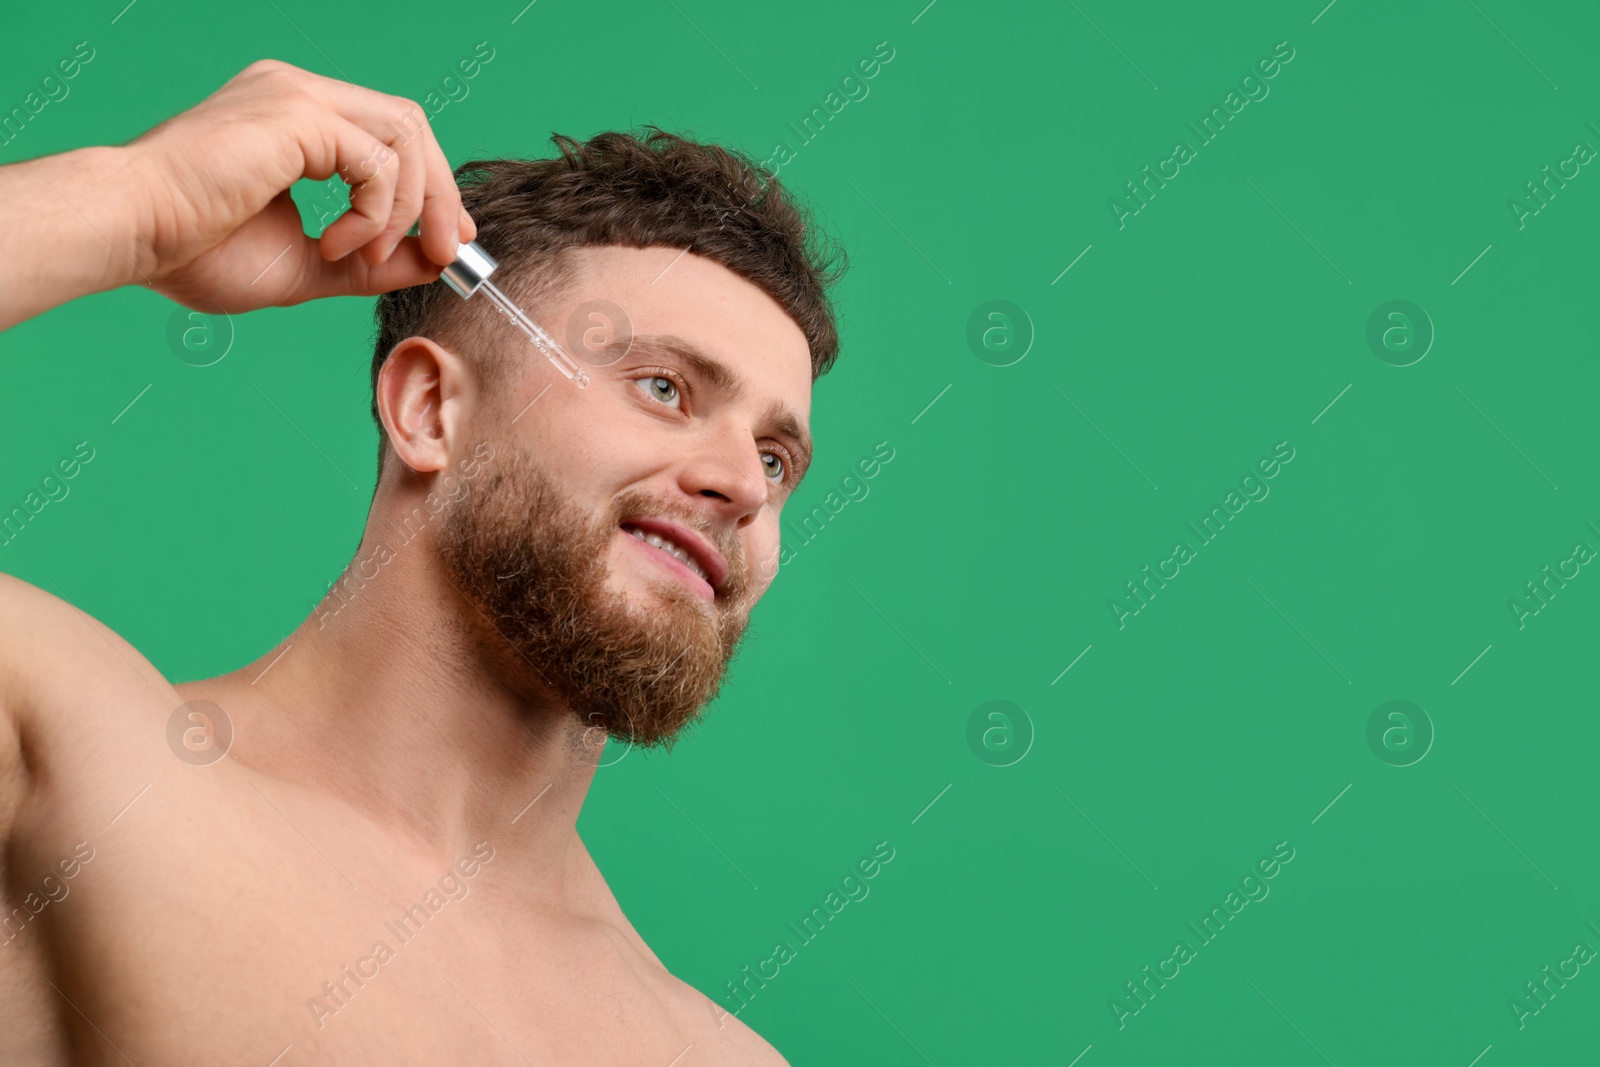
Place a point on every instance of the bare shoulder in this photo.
(54, 656)
(45, 641)
(719, 1037)
(719, 1034)
(742, 1044)
(716, 1033)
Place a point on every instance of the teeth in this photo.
(672, 549)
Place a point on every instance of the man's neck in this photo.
(395, 700)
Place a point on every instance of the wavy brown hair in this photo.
(656, 188)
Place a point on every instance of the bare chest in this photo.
(218, 920)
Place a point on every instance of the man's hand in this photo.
(216, 228)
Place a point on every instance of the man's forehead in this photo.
(663, 290)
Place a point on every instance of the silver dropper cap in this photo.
(470, 270)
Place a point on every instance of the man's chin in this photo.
(636, 654)
(669, 653)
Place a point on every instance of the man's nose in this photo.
(726, 467)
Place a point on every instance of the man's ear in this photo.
(424, 395)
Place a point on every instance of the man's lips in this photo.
(675, 539)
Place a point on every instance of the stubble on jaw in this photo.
(531, 561)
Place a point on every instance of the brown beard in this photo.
(519, 549)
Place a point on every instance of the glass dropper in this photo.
(470, 273)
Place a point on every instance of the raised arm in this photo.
(198, 208)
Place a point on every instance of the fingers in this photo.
(412, 143)
(354, 276)
(444, 220)
(372, 168)
(399, 175)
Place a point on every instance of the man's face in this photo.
(623, 531)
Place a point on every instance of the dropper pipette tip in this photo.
(470, 272)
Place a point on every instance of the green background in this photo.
(1228, 715)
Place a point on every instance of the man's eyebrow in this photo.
(785, 421)
(724, 379)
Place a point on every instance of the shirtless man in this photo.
(362, 848)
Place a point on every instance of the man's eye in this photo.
(662, 389)
(776, 469)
